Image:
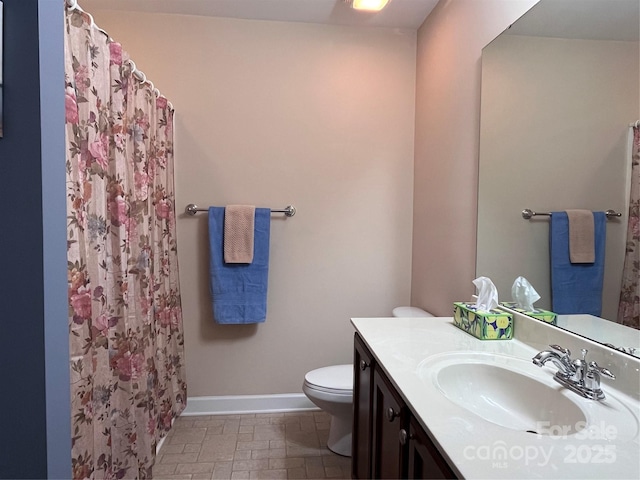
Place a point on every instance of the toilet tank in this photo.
(410, 312)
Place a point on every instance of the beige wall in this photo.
(449, 48)
(555, 117)
(273, 114)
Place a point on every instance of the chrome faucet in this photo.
(577, 375)
(561, 360)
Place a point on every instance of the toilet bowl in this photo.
(331, 390)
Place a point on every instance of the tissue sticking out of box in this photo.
(487, 294)
(524, 295)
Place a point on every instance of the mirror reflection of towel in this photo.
(576, 287)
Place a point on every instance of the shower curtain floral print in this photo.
(629, 309)
(126, 338)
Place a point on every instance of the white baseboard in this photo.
(239, 404)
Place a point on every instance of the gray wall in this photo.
(34, 405)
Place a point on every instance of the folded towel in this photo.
(576, 287)
(238, 233)
(238, 290)
(581, 236)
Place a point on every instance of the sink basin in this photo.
(513, 393)
(510, 398)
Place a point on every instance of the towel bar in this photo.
(527, 214)
(192, 209)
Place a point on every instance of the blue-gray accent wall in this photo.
(54, 213)
(34, 379)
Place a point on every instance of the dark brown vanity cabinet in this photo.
(390, 417)
(362, 402)
(388, 441)
(424, 460)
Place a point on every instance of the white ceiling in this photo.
(397, 14)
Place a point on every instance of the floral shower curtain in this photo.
(125, 322)
(629, 308)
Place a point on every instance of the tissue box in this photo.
(485, 325)
(543, 315)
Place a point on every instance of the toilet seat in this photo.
(329, 391)
(336, 379)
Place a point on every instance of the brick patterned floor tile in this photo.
(191, 447)
(269, 453)
(288, 445)
(268, 474)
(222, 471)
(201, 467)
(296, 473)
(179, 458)
(248, 465)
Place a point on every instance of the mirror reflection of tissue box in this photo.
(485, 325)
(544, 315)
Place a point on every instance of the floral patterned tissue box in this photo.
(485, 325)
(543, 315)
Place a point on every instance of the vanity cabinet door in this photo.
(389, 418)
(388, 442)
(424, 460)
(362, 415)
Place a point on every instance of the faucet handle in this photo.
(592, 381)
(593, 366)
(560, 349)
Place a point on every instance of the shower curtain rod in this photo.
(138, 74)
(635, 124)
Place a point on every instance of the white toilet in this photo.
(410, 312)
(331, 389)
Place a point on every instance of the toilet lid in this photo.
(336, 377)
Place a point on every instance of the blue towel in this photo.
(576, 287)
(239, 290)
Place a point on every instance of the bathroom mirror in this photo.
(559, 90)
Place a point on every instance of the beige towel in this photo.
(581, 236)
(238, 233)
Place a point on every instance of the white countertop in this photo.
(479, 449)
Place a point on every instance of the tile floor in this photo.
(253, 446)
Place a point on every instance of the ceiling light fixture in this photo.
(368, 5)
